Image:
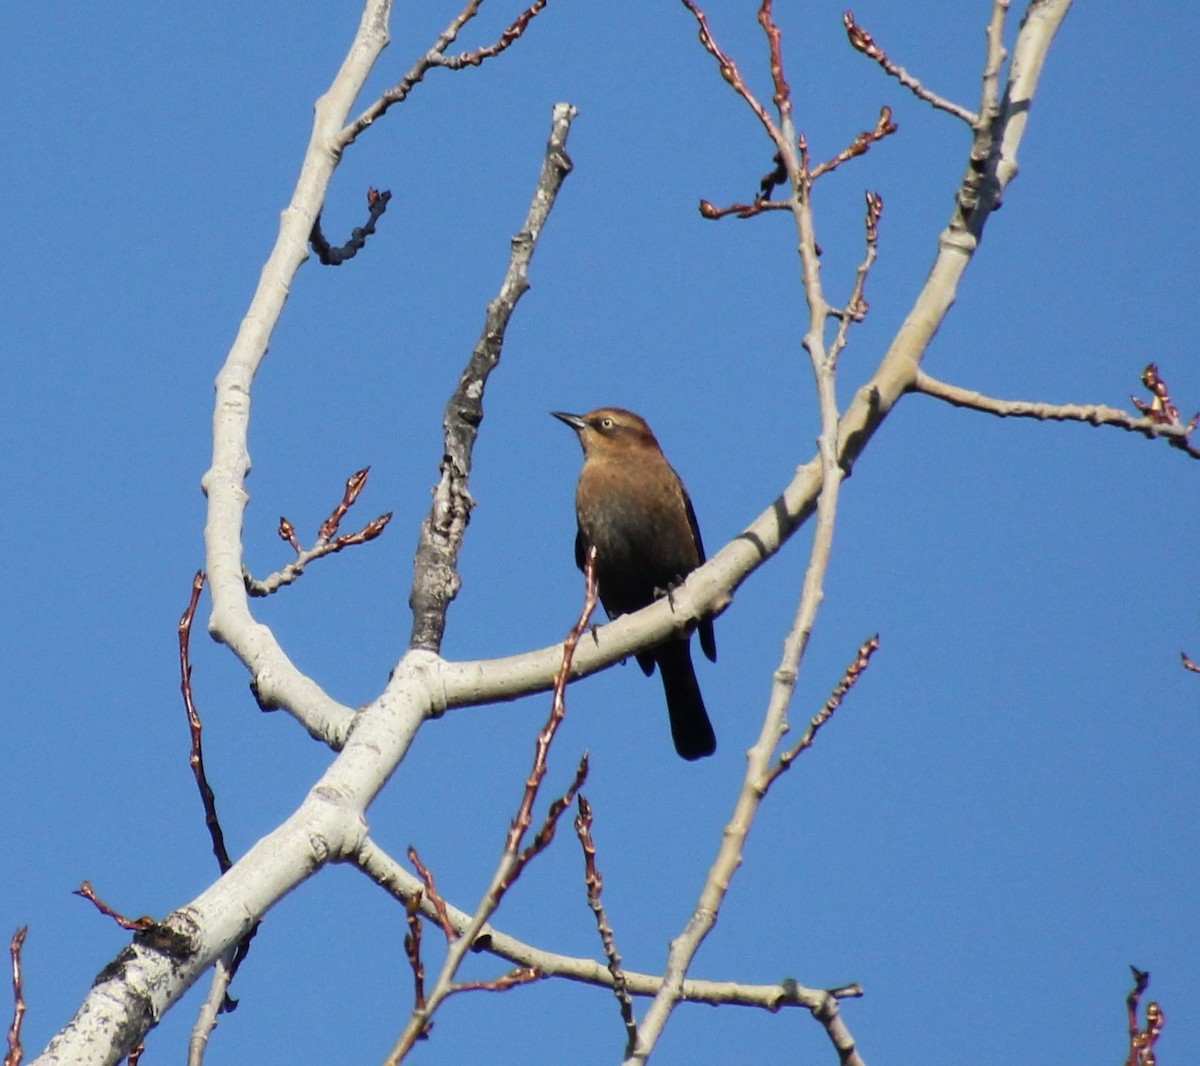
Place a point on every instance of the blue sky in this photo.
(1000, 819)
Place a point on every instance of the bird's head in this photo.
(609, 430)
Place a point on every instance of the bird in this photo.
(632, 507)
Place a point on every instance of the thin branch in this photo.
(436, 57)
(328, 255)
(132, 925)
(218, 999)
(861, 144)
(436, 580)
(196, 728)
(431, 893)
(989, 110)
(327, 543)
(217, 1002)
(512, 979)
(758, 207)
(793, 155)
(595, 886)
(729, 70)
(849, 679)
(857, 308)
(513, 859)
(507, 39)
(16, 1053)
(402, 886)
(1092, 414)
(412, 949)
(1142, 1040)
(863, 42)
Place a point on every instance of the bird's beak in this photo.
(574, 421)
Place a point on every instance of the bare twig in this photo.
(513, 979)
(863, 42)
(432, 894)
(412, 948)
(16, 1053)
(329, 256)
(849, 679)
(758, 207)
(1142, 1040)
(1161, 408)
(514, 859)
(436, 57)
(861, 144)
(1092, 414)
(729, 70)
(435, 572)
(133, 925)
(595, 886)
(328, 543)
(1188, 664)
(218, 999)
(507, 38)
(196, 728)
(217, 1002)
(857, 308)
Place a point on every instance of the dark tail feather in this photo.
(690, 728)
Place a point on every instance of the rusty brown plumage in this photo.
(633, 507)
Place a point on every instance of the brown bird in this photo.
(632, 506)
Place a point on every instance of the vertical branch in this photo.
(794, 157)
(436, 580)
(594, 881)
(16, 1053)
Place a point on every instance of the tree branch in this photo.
(1093, 414)
(436, 580)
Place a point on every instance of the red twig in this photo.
(16, 1053)
(133, 925)
(783, 93)
(328, 543)
(412, 948)
(1160, 409)
(507, 38)
(885, 127)
(521, 976)
(729, 69)
(196, 760)
(558, 709)
(431, 893)
(196, 728)
(761, 204)
(355, 483)
(1142, 1040)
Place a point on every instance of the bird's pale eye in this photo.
(606, 423)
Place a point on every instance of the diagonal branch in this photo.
(863, 42)
(436, 57)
